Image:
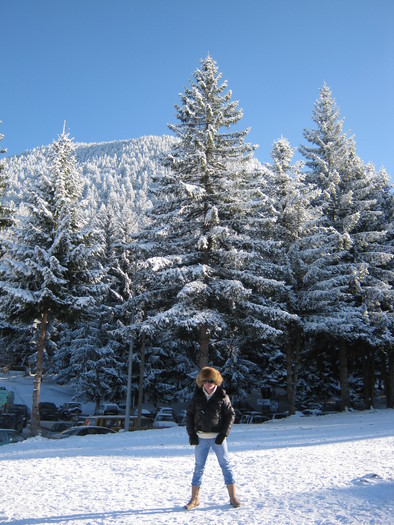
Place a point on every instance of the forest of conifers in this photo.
(185, 250)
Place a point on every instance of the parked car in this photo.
(312, 412)
(145, 413)
(118, 422)
(48, 411)
(164, 421)
(181, 417)
(23, 410)
(11, 421)
(110, 409)
(122, 408)
(166, 411)
(280, 415)
(247, 417)
(258, 418)
(57, 428)
(8, 436)
(134, 411)
(182, 421)
(238, 415)
(84, 431)
(6, 399)
(69, 410)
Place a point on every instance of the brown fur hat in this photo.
(209, 373)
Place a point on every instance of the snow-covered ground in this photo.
(334, 469)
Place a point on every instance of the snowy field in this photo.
(334, 469)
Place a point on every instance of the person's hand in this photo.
(220, 438)
(193, 439)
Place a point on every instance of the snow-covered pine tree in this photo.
(7, 332)
(201, 290)
(98, 353)
(291, 218)
(5, 210)
(335, 275)
(373, 247)
(383, 319)
(45, 272)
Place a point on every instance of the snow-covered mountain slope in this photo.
(123, 167)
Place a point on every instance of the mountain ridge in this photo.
(122, 166)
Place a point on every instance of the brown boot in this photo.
(234, 501)
(194, 500)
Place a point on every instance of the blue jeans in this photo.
(201, 454)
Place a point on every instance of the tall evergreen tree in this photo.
(7, 331)
(336, 272)
(291, 220)
(5, 210)
(373, 246)
(203, 253)
(45, 272)
(95, 356)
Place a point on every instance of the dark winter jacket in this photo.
(213, 415)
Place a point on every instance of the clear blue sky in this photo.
(113, 69)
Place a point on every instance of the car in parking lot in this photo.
(166, 411)
(8, 435)
(258, 418)
(312, 412)
(11, 421)
(144, 413)
(253, 418)
(164, 421)
(84, 431)
(111, 409)
(280, 415)
(69, 410)
(48, 411)
(23, 410)
(108, 409)
(118, 422)
(57, 428)
(6, 399)
(181, 418)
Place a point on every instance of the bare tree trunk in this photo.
(344, 376)
(292, 363)
(97, 397)
(390, 379)
(203, 359)
(369, 376)
(35, 413)
(142, 372)
(372, 375)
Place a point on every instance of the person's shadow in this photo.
(138, 513)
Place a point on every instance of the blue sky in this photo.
(113, 69)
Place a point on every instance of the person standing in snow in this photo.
(209, 419)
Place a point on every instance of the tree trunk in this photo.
(97, 398)
(344, 376)
(369, 376)
(390, 378)
(35, 413)
(142, 373)
(372, 375)
(203, 358)
(292, 363)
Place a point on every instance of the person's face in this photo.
(209, 385)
